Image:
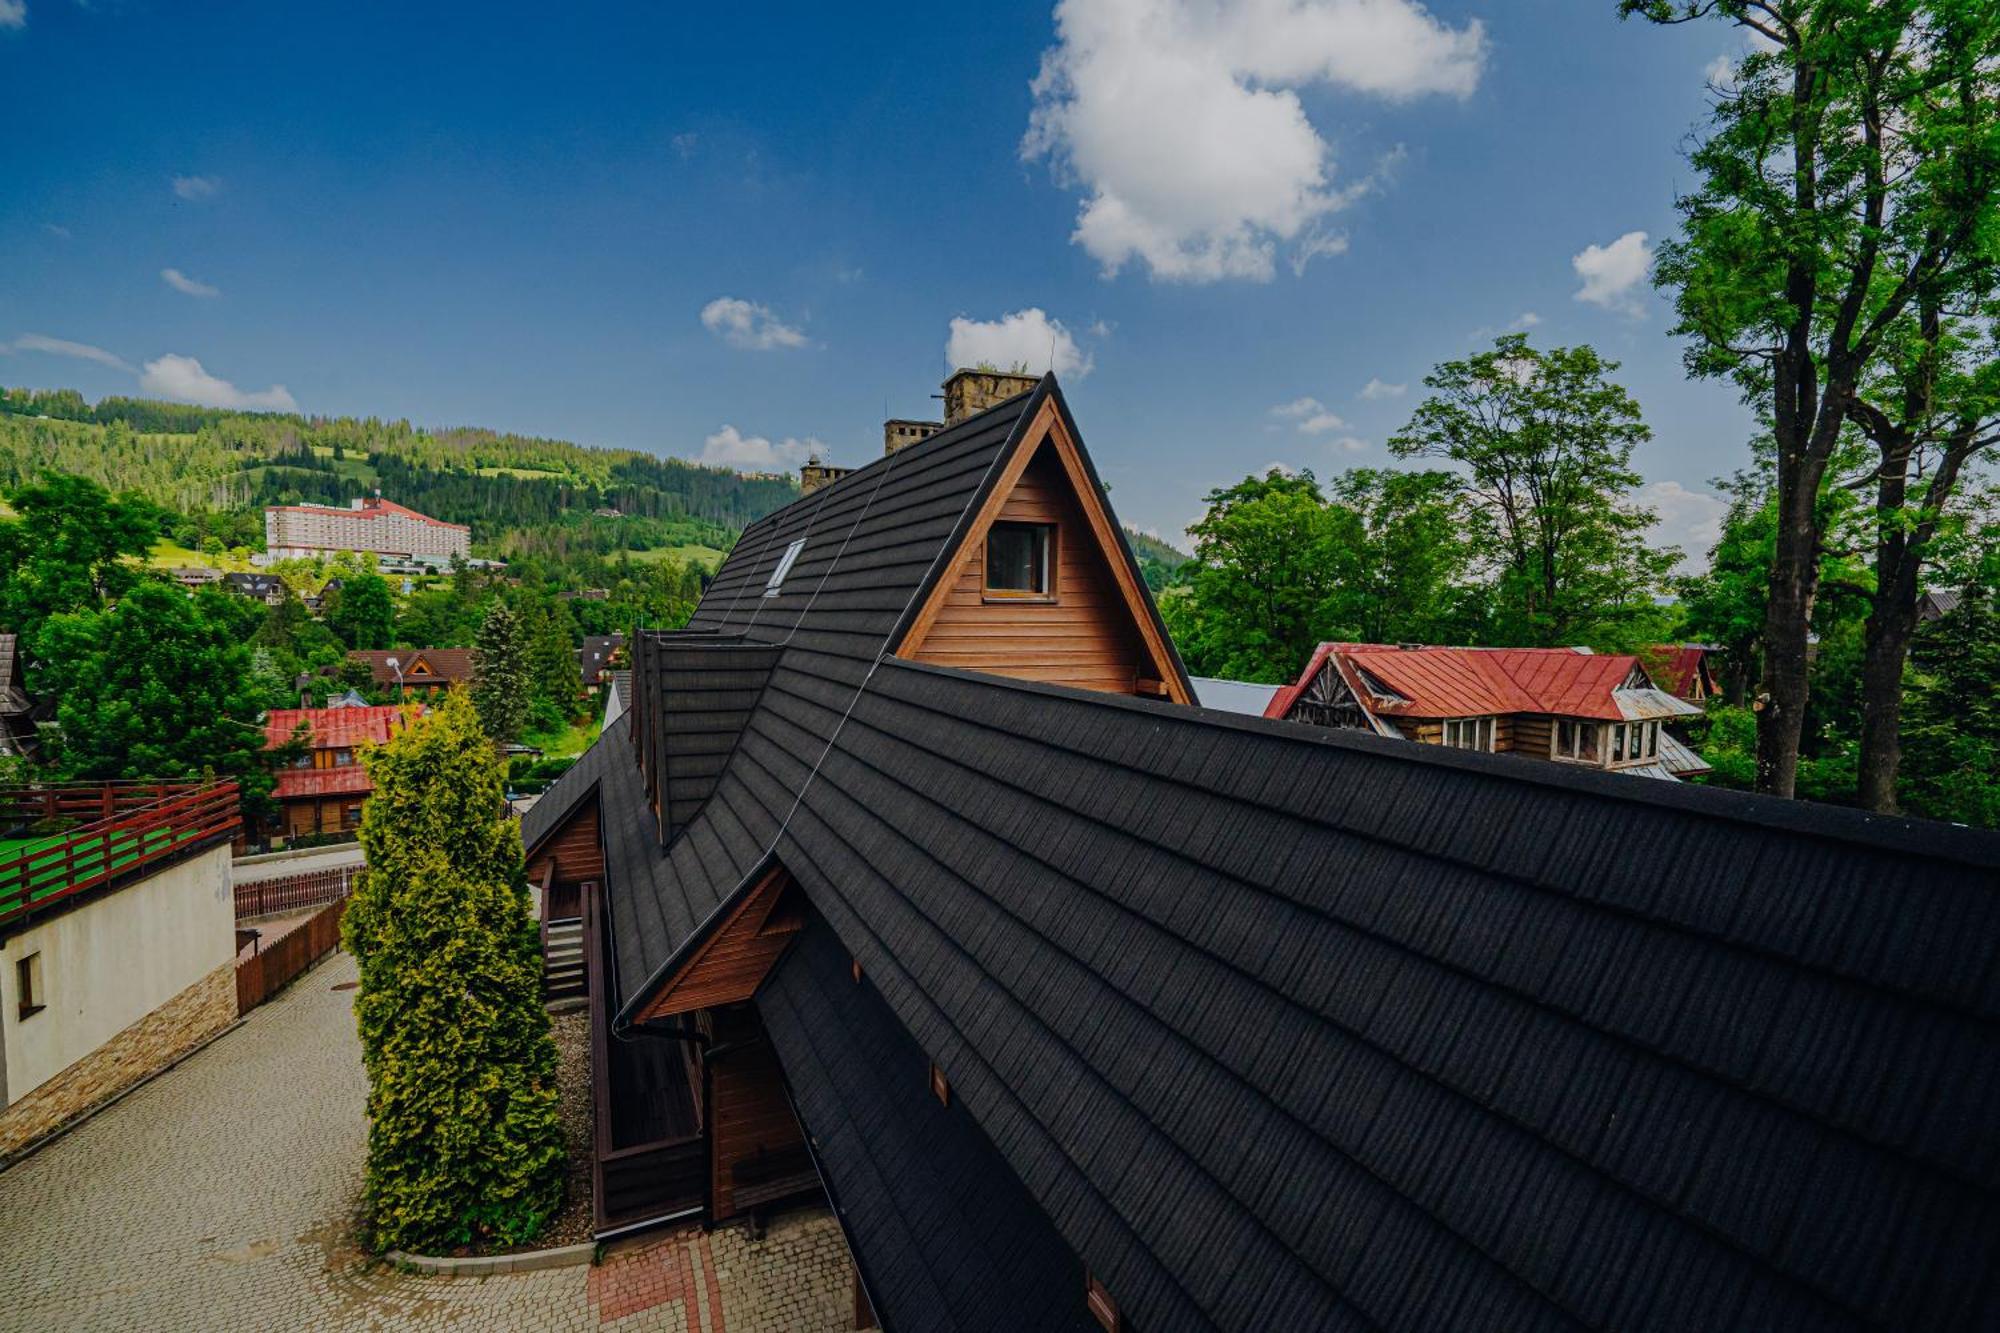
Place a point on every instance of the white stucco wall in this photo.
(114, 960)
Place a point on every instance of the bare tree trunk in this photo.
(1891, 623)
(1781, 712)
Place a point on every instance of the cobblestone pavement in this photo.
(220, 1196)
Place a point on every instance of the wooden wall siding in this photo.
(574, 853)
(1531, 736)
(1084, 638)
(732, 963)
(748, 1110)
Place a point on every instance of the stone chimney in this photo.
(968, 392)
(900, 434)
(815, 474)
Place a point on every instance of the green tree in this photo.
(1847, 178)
(500, 692)
(1931, 407)
(1268, 559)
(159, 686)
(363, 613)
(1546, 441)
(68, 549)
(1411, 580)
(464, 1139)
(552, 665)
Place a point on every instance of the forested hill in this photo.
(518, 493)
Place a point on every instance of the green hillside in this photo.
(521, 495)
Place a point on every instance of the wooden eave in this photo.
(1049, 426)
(728, 962)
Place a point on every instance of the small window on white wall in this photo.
(28, 985)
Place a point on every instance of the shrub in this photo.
(464, 1139)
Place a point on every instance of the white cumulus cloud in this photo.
(41, 342)
(1612, 273)
(1025, 338)
(13, 13)
(747, 324)
(183, 379)
(730, 447)
(1351, 444)
(1310, 415)
(182, 283)
(196, 187)
(1691, 520)
(1378, 388)
(1181, 124)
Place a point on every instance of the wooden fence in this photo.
(290, 893)
(139, 825)
(264, 973)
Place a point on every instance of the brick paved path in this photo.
(220, 1196)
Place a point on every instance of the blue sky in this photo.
(734, 238)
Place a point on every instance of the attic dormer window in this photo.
(785, 562)
(1018, 559)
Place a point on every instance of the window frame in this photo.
(1482, 731)
(775, 585)
(1566, 740)
(1047, 592)
(31, 997)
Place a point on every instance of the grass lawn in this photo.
(171, 555)
(705, 556)
(571, 740)
(46, 873)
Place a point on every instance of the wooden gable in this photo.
(419, 667)
(572, 852)
(731, 963)
(1093, 629)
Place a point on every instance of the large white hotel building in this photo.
(374, 524)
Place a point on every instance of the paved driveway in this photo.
(220, 1195)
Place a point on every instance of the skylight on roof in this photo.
(785, 562)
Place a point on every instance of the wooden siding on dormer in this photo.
(1083, 637)
(573, 853)
(729, 966)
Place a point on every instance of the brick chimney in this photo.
(968, 392)
(900, 434)
(815, 474)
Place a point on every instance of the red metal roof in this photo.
(348, 779)
(372, 507)
(1675, 665)
(332, 728)
(1472, 682)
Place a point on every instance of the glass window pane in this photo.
(1016, 558)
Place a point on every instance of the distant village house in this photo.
(321, 791)
(1565, 705)
(425, 671)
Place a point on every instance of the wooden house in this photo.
(420, 671)
(911, 875)
(1565, 705)
(322, 790)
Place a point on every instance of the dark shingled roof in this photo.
(944, 1233)
(1291, 1028)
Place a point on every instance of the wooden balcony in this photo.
(59, 840)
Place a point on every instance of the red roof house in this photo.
(1566, 704)
(321, 791)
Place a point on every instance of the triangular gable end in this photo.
(729, 964)
(1090, 624)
